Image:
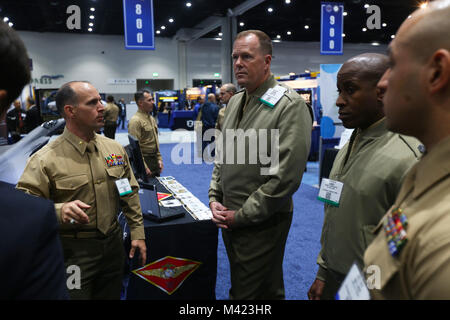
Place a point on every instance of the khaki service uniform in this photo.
(371, 166)
(421, 269)
(69, 169)
(263, 202)
(220, 118)
(110, 115)
(143, 126)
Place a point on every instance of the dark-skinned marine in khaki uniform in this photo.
(412, 245)
(143, 126)
(252, 206)
(78, 172)
(371, 168)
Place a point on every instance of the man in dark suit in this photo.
(31, 258)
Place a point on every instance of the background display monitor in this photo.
(136, 160)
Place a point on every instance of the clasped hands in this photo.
(222, 217)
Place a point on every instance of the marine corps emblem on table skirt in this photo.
(167, 273)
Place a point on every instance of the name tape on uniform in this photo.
(123, 186)
(273, 95)
(330, 191)
(354, 286)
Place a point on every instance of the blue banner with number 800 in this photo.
(138, 24)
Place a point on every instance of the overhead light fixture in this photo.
(366, 6)
(188, 4)
(345, 13)
(270, 9)
(288, 1)
(91, 17)
(288, 33)
(90, 29)
(163, 27)
(5, 19)
(306, 27)
(384, 24)
(343, 35)
(241, 24)
(171, 20)
(376, 44)
(218, 39)
(92, 9)
(423, 5)
(364, 29)
(220, 34)
(91, 24)
(409, 17)
(158, 31)
(10, 24)
(393, 36)
(278, 36)
(276, 40)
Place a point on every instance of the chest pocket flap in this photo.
(71, 182)
(116, 172)
(378, 255)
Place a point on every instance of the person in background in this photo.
(209, 113)
(226, 92)
(110, 115)
(31, 257)
(15, 121)
(122, 113)
(143, 126)
(33, 117)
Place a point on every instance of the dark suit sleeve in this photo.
(47, 277)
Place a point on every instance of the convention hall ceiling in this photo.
(286, 20)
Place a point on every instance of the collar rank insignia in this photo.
(167, 273)
(114, 160)
(395, 230)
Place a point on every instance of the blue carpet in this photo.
(303, 242)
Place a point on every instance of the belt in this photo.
(83, 235)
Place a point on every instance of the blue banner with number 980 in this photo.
(331, 28)
(138, 24)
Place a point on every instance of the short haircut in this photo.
(14, 65)
(265, 43)
(66, 96)
(140, 95)
(109, 99)
(229, 87)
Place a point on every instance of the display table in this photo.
(163, 120)
(181, 119)
(181, 260)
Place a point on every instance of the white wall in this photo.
(204, 57)
(79, 57)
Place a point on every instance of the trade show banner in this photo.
(331, 126)
(331, 28)
(138, 24)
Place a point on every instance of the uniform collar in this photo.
(433, 167)
(76, 141)
(146, 114)
(375, 130)
(266, 85)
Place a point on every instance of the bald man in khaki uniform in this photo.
(412, 246)
(252, 200)
(79, 171)
(226, 92)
